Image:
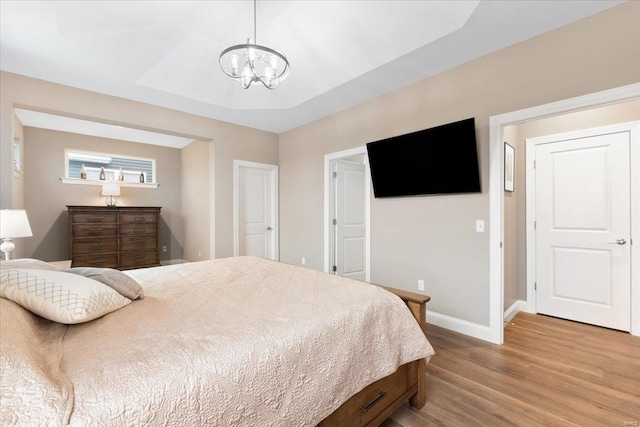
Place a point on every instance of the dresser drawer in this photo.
(133, 243)
(138, 217)
(95, 245)
(138, 229)
(94, 217)
(138, 259)
(98, 260)
(95, 230)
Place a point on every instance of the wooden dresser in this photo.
(114, 237)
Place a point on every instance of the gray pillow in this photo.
(119, 281)
(26, 264)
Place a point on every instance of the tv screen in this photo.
(438, 160)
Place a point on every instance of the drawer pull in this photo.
(96, 245)
(381, 396)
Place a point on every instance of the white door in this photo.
(255, 194)
(583, 228)
(349, 224)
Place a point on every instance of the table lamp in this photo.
(111, 190)
(13, 224)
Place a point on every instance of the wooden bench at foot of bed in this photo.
(376, 402)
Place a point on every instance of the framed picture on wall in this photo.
(509, 167)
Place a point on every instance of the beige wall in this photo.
(196, 189)
(433, 238)
(25, 92)
(515, 213)
(46, 196)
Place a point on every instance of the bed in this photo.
(237, 341)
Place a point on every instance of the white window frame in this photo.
(67, 180)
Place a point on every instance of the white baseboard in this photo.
(172, 261)
(458, 325)
(517, 306)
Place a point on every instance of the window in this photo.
(93, 162)
(17, 153)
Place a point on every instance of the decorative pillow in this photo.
(125, 285)
(27, 264)
(59, 296)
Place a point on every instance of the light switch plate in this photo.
(480, 225)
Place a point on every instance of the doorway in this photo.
(347, 218)
(579, 199)
(496, 199)
(255, 209)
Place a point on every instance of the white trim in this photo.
(328, 158)
(634, 130)
(237, 164)
(78, 181)
(635, 231)
(474, 330)
(515, 308)
(95, 153)
(496, 195)
(530, 208)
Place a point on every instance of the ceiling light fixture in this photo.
(250, 62)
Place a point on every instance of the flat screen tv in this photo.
(438, 160)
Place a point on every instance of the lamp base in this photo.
(111, 201)
(7, 246)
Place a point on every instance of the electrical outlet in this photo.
(199, 254)
(480, 226)
(164, 249)
(304, 261)
(421, 285)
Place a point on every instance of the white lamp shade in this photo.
(14, 223)
(110, 189)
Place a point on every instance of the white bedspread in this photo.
(239, 342)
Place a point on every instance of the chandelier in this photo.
(251, 63)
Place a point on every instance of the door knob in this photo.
(618, 242)
(269, 228)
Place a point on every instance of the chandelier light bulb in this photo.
(274, 64)
(246, 78)
(252, 52)
(234, 65)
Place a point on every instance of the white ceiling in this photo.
(341, 52)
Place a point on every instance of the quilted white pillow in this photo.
(59, 296)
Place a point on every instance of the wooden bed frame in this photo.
(376, 402)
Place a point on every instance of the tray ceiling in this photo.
(341, 52)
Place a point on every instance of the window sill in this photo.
(77, 181)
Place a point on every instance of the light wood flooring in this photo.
(549, 372)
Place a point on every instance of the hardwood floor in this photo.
(549, 372)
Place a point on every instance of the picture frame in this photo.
(509, 167)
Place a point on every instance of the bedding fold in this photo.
(33, 388)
